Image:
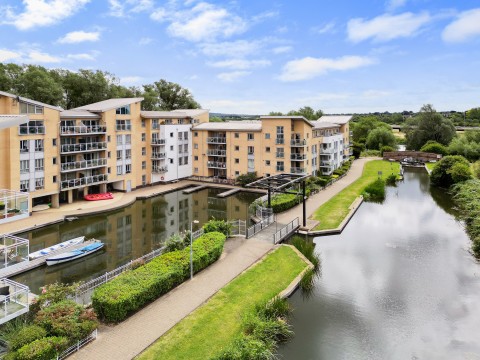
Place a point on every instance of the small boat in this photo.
(49, 250)
(95, 197)
(75, 254)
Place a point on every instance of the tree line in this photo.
(71, 89)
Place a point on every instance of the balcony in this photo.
(327, 151)
(82, 130)
(158, 141)
(298, 157)
(326, 164)
(159, 169)
(217, 140)
(216, 165)
(297, 170)
(84, 181)
(84, 147)
(158, 156)
(31, 130)
(15, 303)
(82, 165)
(279, 141)
(123, 127)
(299, 143)
(213, 152)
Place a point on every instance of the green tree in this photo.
(165, 95)
(362, 128)
(379, 137)
(467, 145)
(9, 77)
(434, 147)
(428, 125)
(473, 114)
(37, 83)
(216, 119)
(450, 170)
(307, 112)
(275, 113)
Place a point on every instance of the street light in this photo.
(191, 247)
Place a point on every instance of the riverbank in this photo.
(212, 327)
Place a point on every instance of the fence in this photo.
(78, 345)
(254, 229)
(286, 230)
(239, 227)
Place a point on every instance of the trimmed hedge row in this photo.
(129, 292)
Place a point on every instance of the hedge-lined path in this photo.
(132, 336)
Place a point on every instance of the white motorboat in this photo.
(74, 254)
(49, 250)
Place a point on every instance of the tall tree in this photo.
(307, 112)
(166, 95)
(37, 83)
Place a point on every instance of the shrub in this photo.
(375, 191)
(247, 348)
(51, 294)
(220, 226)
(130, 291)
(307, 248)
(245, 179)
(267, 329)
(434, 147)
(282, 202)
(368, 153)
(66, 319)
(340, 171)
(385, 149)
(46, 348)
(277, 308)
(391, 180)
(447, 173)
(174, 242)
(322, 180)
(26, 335)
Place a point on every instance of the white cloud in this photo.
(159, 14)
(265, 15)
(309, 67)
(240, 64)
(131, 80)
(395, 4)
(8, 55)
(79, 36)
(387, 27)
(83, 56)
(229, 106)
(239, 48)
(282, 49)
(121, 8)
(39, 13)
(465, 27)
(232, 76)
(324, 29)
(36, 56)
(145, 41)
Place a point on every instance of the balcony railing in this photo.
(159, 156)
(81, 165)
(84, 181)
(158, 141)
(216, 152)
(327, 164)
(123, 127)
(327, 151)
(94, 146)
(280, 155)
(216, 165)
(298, 142)
(31, 130)
(279, 141)
(217, 140)
(159, 169)
(298, 157)
(297, 170)
(80, 130)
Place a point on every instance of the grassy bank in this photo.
(331, 213)
(215, 325)
(430, 166)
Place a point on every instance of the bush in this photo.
(26, 335)
(51, 294)
(282, 202)
(245, 179)
(322, 180)
(46, 348)
(447, 172)
(375, 191)
(220, 226)
(391, 180)
(385, 149)
(247, 348)
(130, 291)
(368, 153)
(174, 242)
(434, 147)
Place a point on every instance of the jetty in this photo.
(194, 189)
(229, 192)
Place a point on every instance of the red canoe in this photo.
(94, 197)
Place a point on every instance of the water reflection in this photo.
(398, 283)
(131, 232)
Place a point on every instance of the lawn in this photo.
(331, 213)
(213, 326)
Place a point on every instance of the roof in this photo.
(78, 114)
(13, 96)
(7, 121)
(109, 104)
(163, 114)
(293, 117)
(324, 125)
(253, 125)
(336, 119)
(192, 112)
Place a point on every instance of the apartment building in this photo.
(271, 145)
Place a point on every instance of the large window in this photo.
(128, 154)
(24, 185)
(124, 125)
(26, 108)
(38, 145)
(24, 145)
(39, 183)
(24, 166)
(119, 154)
(33, 127)
(123, 110)
(250, 136)
(39, 164)
(251, 150)
(128, 139)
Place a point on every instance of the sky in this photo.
(253, 57)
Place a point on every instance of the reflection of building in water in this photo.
(178, 213)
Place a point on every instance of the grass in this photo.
(216, 324)
(332, 213)
(430, 166)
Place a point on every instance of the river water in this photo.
(398, 283)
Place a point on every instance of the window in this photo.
(171, 135)
(128, 154)
(280, 166)
(195, 158)
(38, 145)
(195, 170)
(24, 166)
(39, 183)
(171, 161)
(280, 153)
(109, 170)
(185, 135)
(108, 138)
(237, 173)
(237, 148)
(54, 179)
(143, 122)
(119, 170)
(251, 150)
(185, 160)
(180, 161)
(123, 125)
(267, 162)
(195, 146)
(109, 154)
(54, 161)
(195, 134)
(119, 154)
(267, 149)
(123, 110)
(144, 137)
(237, 135)
(251, 163)
(54, 142)
(24, 146)
(237, 161)
(119, 139)
(267, 136)
(250, 136)
(171, 147)
(24, 185)
(180, 149)
(39, 164)
(128, 139)
(30, 108)
(144, 151)
(144, 180)
(128, 168)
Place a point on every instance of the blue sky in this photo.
(259, 56)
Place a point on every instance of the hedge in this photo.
(132, 290)
(26, 335)
(46, 348)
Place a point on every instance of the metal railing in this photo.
(326, 163)
(327, 151)
(78, 345)
(299, 157)
(83, 129)
(286, 230)
(298, 142)
(279, 155)
(216, 164)
(159, 156)
(254, 229)
(123, 127)
(85, 164)
(217, 140)
(93, 146)
(85, 181)
(213, 179)
(159, 169)
(297, 170)
(239, 228)
(212, 152)
(158, 141)
(279, 141)
(16, 302)
(31, 130)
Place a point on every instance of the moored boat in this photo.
(49, 250)
(102, 196)
(75, 254)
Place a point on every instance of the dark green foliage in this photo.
(245, 179)
(386, 149)
(46, 348)
(450, 170)
(166, 95)
(51, 294)
(307, 112)
(307, 248)
(283, 202)
(277, 308)
(375, 191)
(364, 126)
(26, 335)
(379, 137)
(248, 348)
(267, 329)
(391, 180)
(175, 242)
(307, 283)
(132, 290)
(467, 145)
(434, 147)
(220, 226)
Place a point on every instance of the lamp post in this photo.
(191, 247)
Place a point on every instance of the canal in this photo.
(130, 232)
(398, 283)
